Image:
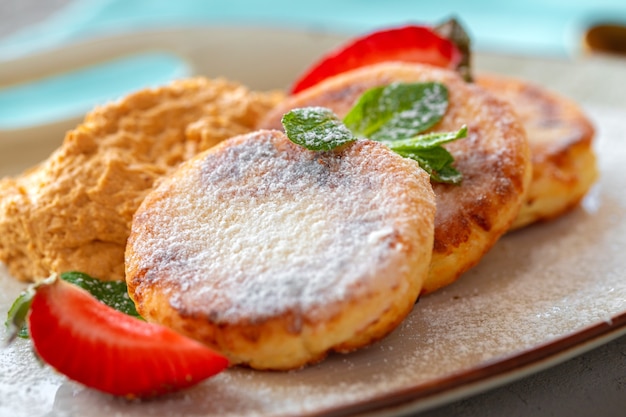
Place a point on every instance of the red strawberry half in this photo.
(408, 44)
(110, 351)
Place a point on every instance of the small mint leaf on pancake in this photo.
(316, 128)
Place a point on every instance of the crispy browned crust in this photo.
(194, 296)
(73, 211)
(560, 137)
(494, 160)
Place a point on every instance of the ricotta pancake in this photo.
(73, 211)
(494, 159)
(560, 137)
(274, 255)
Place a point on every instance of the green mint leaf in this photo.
(316, 128)
(434, 159)
(16, 317)
(112, 293)
(438, 163)
(447, 175)
(431, 156)
(426, 141)
(398, 110)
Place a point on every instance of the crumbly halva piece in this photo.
(74, 210)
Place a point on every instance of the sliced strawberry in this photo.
(409, 44)
(104, 349)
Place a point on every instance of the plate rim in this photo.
(490, 375)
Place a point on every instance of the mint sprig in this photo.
(112, 293)
(395, 115)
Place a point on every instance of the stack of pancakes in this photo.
(274, 254)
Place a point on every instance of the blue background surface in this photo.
(532, 27)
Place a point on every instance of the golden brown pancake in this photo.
(494, 160)
(73, 211)
(560, 138)
(273, 254)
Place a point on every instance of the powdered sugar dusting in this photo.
(266, 227)
(535, 286)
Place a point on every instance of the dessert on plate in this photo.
(494, 159)
(274, 255)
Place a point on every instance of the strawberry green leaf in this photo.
(112, 293)
(16, 317)
(316, 128)
(398, 110)
(455, 32)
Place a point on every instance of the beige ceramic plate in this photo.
(540, 296)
